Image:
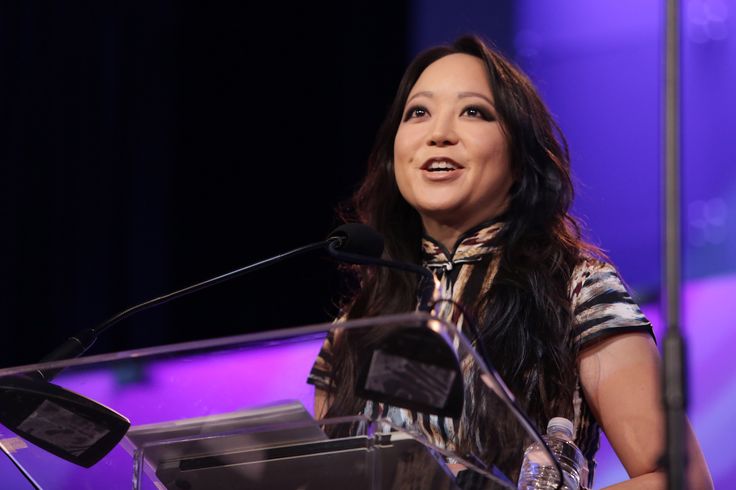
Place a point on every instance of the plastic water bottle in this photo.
(538, 472)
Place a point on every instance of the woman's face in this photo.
(451, 157)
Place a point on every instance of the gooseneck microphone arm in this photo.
(79, 343)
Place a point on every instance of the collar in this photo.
(471, 246)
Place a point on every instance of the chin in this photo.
(444, 213)
(441, 203)
(441, 207)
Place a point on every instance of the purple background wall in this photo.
(599, 67)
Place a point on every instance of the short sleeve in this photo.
(602, 305)
(321, 374)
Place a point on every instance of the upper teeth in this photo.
(441, 165)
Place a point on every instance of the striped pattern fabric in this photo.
(601, 304)
(319, 376)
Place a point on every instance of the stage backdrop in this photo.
(599, 66)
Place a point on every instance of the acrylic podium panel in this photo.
(183, 381)
(288, 455)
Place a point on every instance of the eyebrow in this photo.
(461, 95)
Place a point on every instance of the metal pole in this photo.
(674, 392)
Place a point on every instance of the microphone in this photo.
(356, 239)
(26, 399)
(362, 248)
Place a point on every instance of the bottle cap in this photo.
(560, 423)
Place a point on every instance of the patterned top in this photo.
(601, 306)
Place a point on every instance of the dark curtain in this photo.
(145, 146)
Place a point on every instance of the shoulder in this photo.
(602, 304)
(593, 281)
(589, 271)
(321, 373)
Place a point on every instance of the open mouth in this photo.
(441, 165)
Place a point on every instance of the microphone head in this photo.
(358, 239)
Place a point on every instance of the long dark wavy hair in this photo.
(525, 318)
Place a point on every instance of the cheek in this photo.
(402, 157)
(401, 176)
(399, 153)
(405, 145)
(402, 164)
(493, 151)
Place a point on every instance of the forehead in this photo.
(454, 73)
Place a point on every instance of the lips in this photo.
(441, 164)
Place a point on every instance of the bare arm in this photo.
(621, 381)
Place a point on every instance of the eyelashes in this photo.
(415, 112)
(478, 111)
(472, 111)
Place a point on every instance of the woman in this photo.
(470, 177)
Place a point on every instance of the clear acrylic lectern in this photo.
(230, 413)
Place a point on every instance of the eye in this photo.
(478, 112)
(415, 112)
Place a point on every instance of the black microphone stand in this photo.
(674, 397)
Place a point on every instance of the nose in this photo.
(442, 132)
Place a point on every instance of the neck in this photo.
(446, 229)
(449, 234)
